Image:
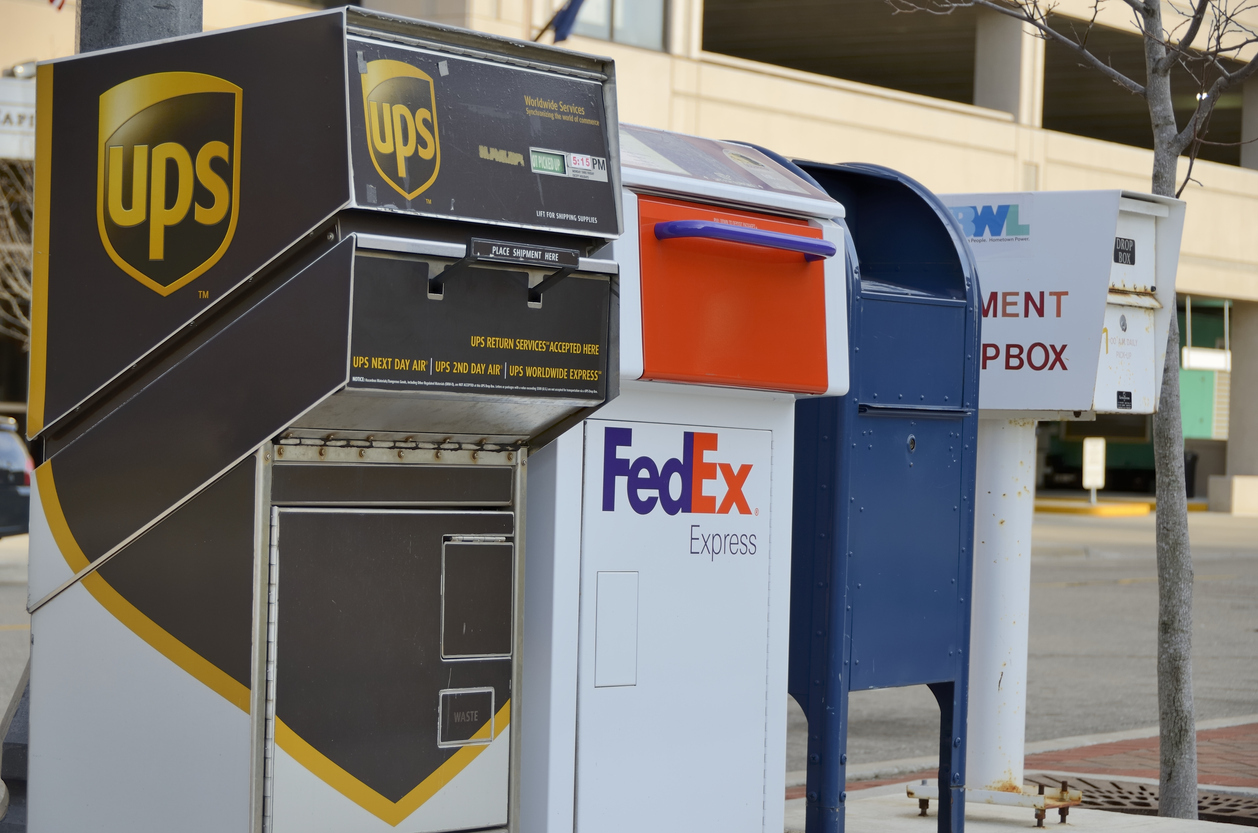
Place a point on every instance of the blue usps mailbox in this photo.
(884, 485)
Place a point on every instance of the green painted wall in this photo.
(1196, 402)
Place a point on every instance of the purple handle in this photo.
(810, 247)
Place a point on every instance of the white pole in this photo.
(1005, 506)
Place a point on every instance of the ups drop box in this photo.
(305, 296)
(656, 635)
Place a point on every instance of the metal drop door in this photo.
(391, 660)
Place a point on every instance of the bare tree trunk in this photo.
(1177, 782)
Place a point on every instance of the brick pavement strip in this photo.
(1226, 757)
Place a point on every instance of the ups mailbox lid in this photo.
(172, 173)
(465, 135)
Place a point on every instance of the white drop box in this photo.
(1078, 288)
(659, 533)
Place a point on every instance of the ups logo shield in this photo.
(400, 106)
(168, 175)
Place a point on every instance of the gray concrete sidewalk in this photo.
(15, 622)
(13, 559)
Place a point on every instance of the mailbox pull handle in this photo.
(810, 247)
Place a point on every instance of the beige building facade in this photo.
(995, 141)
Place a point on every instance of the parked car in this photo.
(16, 467)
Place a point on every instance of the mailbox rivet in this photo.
(279, 452)
(956, 742)
(843, 758)
(842, 796)
(912, 443)
(812, 796)
(814, 758)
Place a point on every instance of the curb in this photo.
(1107, 509)
(1065, 506)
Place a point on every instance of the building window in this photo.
(632, 22)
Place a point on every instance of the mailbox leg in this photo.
(827, 789)
(951, 699)
(1004, 510)
(827, 743)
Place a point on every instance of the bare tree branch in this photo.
(17, 182)
(1205, 106)
(1029, 12)
(1185, 43)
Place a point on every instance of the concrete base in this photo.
(1236, 494)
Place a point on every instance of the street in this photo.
(1093, 639)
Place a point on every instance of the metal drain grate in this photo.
(1142, 799)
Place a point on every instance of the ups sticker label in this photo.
(400, 106)
(168, 175)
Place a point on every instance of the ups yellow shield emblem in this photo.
(400, 106)
(168, 175)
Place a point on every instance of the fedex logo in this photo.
(680, 484)
(979, 221)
